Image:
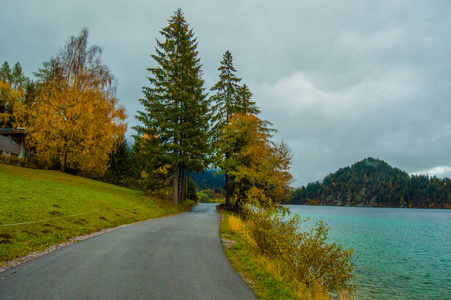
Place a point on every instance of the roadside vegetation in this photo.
(40, 208)
(280, 262)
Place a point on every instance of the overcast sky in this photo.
(340, 80)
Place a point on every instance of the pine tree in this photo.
(243, 104)
(191, 193)
(229, 98)
(18, 79)
(226, 94)
(176, 119)
(119, 163)
(225, 101)
(5, 72)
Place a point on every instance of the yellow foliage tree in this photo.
(258, 168)
(76, 119)
(8, 99)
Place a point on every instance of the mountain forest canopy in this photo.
(372, 182)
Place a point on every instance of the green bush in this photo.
(39, 162)
(13, 160)
(304, 254)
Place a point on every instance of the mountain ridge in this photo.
(373, 182)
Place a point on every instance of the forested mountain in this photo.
(208, 180)
(373, 182)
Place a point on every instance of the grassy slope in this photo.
(28, 195)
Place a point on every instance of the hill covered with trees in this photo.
(209, 179)
(373, 182)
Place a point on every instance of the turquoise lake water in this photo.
(399, 253)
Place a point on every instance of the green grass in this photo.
(55, 206)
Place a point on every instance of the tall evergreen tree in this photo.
(18, 78)
(5, 72)
(225, 94)
(175, 120)
(228, 98)
(119, 163)
(243, 104)
(15, 76)
(224, 102)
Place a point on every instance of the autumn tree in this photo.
(258, 168)
(15, 90)
(175, 119)
(228, 98)
(9, 98)
(76, 119)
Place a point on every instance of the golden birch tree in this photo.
(76, 119)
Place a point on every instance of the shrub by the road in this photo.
(304, 254)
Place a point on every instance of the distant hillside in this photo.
(208, 180)
(373, 182)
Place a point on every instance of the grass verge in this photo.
(263, 275)
(40, 208)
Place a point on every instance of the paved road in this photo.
(178, 257)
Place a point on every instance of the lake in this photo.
(399, 253)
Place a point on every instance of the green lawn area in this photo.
(53, 206)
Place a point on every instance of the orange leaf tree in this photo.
(258, 167)
(8, 99)
(76, 119)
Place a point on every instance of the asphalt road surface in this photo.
(177, 257)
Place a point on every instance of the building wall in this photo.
(8, 146)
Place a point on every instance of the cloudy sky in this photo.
(340, 80)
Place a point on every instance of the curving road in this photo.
(177, 257)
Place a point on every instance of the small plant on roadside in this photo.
(306, 255)
(235, 224)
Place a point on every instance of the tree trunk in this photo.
(63, 167)
(181, 184)
(227, 183)
(226, 190)
(186, 182)
(175, 183)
